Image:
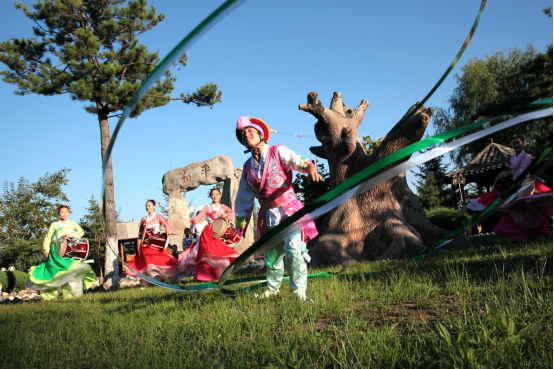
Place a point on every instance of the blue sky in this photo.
(265, 57)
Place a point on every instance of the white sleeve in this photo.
(291, 160)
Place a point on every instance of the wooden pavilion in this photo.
(482, 170)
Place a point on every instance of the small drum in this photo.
(225, 231)
(155, 236)
(72, 248)
(218, 228)
(502, 182)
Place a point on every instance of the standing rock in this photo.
(181, 180)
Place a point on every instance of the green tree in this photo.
(90, 50)
(370, 145)
(430, 183)
(495, 85)
(26, 212)
(308, 193)
(428, 192)
(91, 224)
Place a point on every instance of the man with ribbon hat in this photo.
(267, 176)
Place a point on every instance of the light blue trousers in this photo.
(293, 255)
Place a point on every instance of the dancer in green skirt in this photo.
(71, 275)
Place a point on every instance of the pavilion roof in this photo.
(484, 168)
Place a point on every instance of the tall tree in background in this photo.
(495, 85)
(430, 177)
(89, 49)
(26, 212)
(91, 224)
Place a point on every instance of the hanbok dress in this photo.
(208, 257)
(270, 181)
(152, 259)
(526, 216)
(71, 275)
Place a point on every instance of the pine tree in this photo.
(431, 191)
(90, 50)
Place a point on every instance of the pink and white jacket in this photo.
(519, 163)
(270, 181)
(153, 225)
(212, 212)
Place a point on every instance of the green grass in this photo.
(486, 306)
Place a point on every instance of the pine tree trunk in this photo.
(384, 222)
(111, 264)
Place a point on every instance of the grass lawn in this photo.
(489, 306)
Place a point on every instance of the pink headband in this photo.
(244, 122)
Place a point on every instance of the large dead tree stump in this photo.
(384, 222)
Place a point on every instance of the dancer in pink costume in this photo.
(152, 258)
(526, 216)
(267, 176)
(209, 256)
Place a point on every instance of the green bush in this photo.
(13, 281)
(447, 218)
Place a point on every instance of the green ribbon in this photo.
(448, 70)
(217, 15)
(176, 52)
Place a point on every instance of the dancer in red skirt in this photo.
(526, 216)
(152, 258)
(209, 257)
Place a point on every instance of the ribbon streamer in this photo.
(192, 37)
(210, 21)
(448, 70)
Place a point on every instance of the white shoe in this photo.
(266, 293)
(302, 297)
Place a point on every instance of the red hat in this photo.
(256, 123)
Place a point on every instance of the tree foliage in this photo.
(308, 193)
(370, 145)
(90, 50)
(26, 212)
(496, 85)
(430, 183)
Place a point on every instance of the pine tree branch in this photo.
(165, 97)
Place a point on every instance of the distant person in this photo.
(188, 240)
(152, 258)
(209, 257)
(526, 216)
(198, 227)
(71, 275)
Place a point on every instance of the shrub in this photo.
(13, 281)
(447, 218)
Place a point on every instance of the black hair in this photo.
(61, 207)
(215, 189)
(186, 230)
(516, 137)
(153, 202)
